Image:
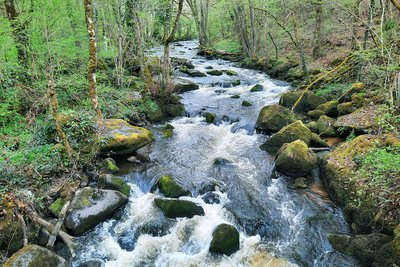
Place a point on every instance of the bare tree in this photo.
(200, 10)
(317, 29)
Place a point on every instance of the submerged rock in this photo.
(35, 256)
(195, 73)
(309, 101)
(174, 208)
(288, 134)
(167, 185)
(120, 137)
(295, 159)
(211, 198)
(108, 181)
(225, 240)
(90, 207)
(273, 118)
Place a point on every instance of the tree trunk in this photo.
(300, 48)
(92, 65)
(370, 24)
(396, 3)
(253, 29)
(317, 30)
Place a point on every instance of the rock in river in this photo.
(120, 137)
(170, 188)
(35, 256)
(275, 117)
(295, 159)
(225, 239)
(308, 102)
(90, 207)
(174, 208)
(108, 181)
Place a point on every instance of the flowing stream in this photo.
(279, 226)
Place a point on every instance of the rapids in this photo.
(279, 226)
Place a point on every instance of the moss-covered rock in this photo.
(309, 101)
(315, 114)
(257, 88)
(246, 103)
(299, 183)
(167, 185)
(195, 73)
(275, 117)
(389, 254)
(236, 82)
(323, 127)
(362, 120)
(56, 206)
(346, 108)
(108, 181)
(288, 134)
(214, 72)
(168, 130)
(90, 207)
(295, 159)
(183, 85)
(174, 208)
(316, 141)
(329, 108)
(210, 117)
(357, 197)
(363, 248)
(174, 109)
(120, 137)
(108, 165)
(235, 96)
(225, 240)
(230, 72)
(153, 111)
(11, 231)
(35, 256)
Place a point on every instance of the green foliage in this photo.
(389, 123)
(333, 90)
(228, 45)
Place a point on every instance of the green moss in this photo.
(257, 88)
(235, 96)
(230, 72)
(168, 133)
(236, 82)
(225, 240)
(109, 165)
(215, 72)
(246, 103)
(56, 207)
(210, 117)
(114, 183)
(174, 208)
(273, 118)
(170, 188)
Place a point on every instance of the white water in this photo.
(274, 221)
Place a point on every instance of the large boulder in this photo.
(295, 159)
(346, 108)
(90, 207)
(356, 191)
(174, 208)
(364, 248)
(275, 117)
(225, 240)
(167, 185)
(183, 85)
(329, 108)
(257, 88)
(120, 137)
(195, 73)
(182, 62)
(295, 131)
(323, 127)
(362, 120)
(35, 256)
(309, 101)
(109, 181)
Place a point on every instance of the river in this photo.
(279, 226)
